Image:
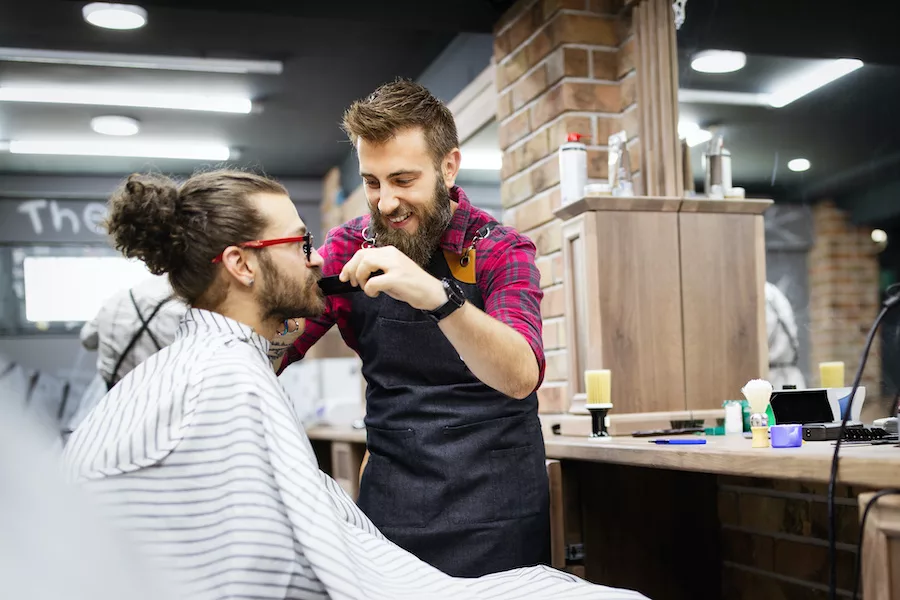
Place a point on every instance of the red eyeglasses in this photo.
(306, 239)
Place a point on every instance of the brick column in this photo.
(562, 66)
(844, 297)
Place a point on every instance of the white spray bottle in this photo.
(572, 169)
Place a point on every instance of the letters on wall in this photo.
(36, 221)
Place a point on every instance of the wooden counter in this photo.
(327, 433)
(746, 522)
(866, 466)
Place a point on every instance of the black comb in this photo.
(332, 285)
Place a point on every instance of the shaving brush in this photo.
(758, 392)
(597, 386)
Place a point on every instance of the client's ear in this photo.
(238, 264)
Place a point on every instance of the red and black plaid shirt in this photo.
(505, 273)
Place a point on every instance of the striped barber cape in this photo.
(199, 456)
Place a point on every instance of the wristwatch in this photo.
(455, 299)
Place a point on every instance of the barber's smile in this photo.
(399, 220)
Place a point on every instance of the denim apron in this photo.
(456, 472)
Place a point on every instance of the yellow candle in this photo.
(597, 386)
(831, 374)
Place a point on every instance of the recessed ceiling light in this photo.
(115, 125)
(137, 99)
(173, 150)
(114, 16)
(718, 61)
(142, 61)
(799, 164)
(809, 81)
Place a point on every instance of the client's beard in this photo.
(283, 297)
(433, 221)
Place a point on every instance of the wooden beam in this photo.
(476, 105)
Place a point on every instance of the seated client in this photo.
(198, 451)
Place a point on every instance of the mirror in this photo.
(806, 106)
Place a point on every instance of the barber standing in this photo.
(450, 341)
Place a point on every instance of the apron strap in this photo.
(483, 232)
(145, 326)
(32, 383)
(65, 400)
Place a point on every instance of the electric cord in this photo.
(893, 297)
(895, 405)
(862, 532)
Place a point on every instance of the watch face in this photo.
(454, 292)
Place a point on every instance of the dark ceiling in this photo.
(849, 129)
(333, 53)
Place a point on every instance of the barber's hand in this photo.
(283, 339)
(402, 280)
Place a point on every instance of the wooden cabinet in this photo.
(667, 293)
(880, 577)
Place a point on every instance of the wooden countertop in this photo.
(870, 466)
(336, 434)
(875, 466)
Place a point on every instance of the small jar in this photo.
(734, 417)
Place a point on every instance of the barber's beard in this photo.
(284, 296)
(433, 220)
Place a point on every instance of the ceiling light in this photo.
(173, 150)
(811, 80)
(718, 97)
(142, 61)
(799, 165)
(718, 61)
(100, 97)
(115, 125)
(114, 16)
(480, 160)
(879, 236)
(692, 133)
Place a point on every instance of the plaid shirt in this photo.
(506, 276)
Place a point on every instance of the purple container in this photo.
(786, 436)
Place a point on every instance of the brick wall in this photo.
(775, 538)
(562, 66)
(844, 297)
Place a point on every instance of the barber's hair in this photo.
(178, 230)
(398, 106)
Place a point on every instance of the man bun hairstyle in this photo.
(399, 105)
(178, 230)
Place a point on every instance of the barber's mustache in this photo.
(400, 210)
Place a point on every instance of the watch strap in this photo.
(455, 299)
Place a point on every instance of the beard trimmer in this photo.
(332, 285)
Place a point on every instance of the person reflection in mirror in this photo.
(131, 326)
(784, 347)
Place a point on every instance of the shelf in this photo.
(618, 203)
(742, 206)
(661, 204)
